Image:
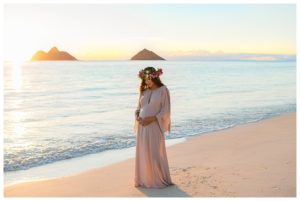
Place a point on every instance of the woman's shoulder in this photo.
(164, 87)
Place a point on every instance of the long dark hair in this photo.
(156, 80)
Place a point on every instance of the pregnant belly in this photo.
(143, 113)
(147, 111)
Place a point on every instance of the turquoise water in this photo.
(60, 110)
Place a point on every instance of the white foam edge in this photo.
(74, 165)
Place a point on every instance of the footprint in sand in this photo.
(275, 187)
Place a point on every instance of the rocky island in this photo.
(52, 54)
(146, 55)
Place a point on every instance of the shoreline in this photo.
(252, 159)
(74, 166)
(77, 165)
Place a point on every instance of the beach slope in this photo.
(252, 160)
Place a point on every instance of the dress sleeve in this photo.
(164, 115)
(136, 123)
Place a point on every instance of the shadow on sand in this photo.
(169, 191)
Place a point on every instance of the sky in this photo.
(173, 31)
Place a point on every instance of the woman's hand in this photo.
(147, 120)
(138, 119)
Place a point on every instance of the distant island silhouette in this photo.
(52, 54)
(146, 55)
(55, 54)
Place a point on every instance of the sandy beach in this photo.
(252, 160)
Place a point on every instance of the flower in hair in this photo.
(145, 73)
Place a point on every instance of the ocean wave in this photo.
(52, 149)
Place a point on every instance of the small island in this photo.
(146, 55)
(52, 54)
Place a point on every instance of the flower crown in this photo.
(146, 73)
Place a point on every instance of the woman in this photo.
(152, 119)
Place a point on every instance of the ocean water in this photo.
(59, 110)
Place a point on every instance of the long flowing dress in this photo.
(151, 163)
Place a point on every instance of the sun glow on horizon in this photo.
(112, 32)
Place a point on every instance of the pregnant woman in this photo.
(152, 120)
